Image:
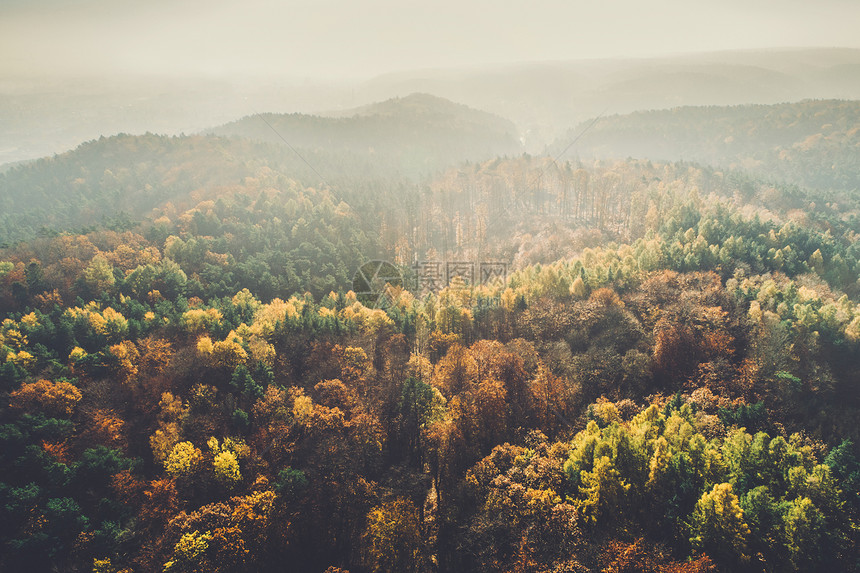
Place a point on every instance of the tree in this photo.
(602, 491)
(393, 537)
(845, 467)
(125, 358)
(226, 459)
(763, 514)
(98, 276)
(416, 408)
(172, 413)
(718, 526)
(104, 427)
(160, 503)
(52, 398)
(235, 535)
(189, 551)
(639, 557)
(183, 459)
(455, 372)
(226, 468)
(805, 530)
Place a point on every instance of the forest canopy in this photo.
(665, 380)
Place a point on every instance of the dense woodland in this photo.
(666, 381)
(813, 143)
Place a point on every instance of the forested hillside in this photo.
(112, 181)
(545, 98)
(420, 132)
(665, 380)
(813, 143)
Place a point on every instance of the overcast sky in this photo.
(362, 38)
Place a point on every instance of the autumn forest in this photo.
(663, 380)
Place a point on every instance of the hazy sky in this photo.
(362, 38)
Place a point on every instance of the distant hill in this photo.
(815, 143)
(43, 116)
(418, 133)
(544, 99)
(102, 178)
(130, 175)
(371, 156)
(114, 180)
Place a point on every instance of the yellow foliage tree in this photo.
(229, 353)
(227, 468)
(184, 458)
(303, 407)
(172, 412)
(22, 359)
(602, 489)
(115, 324)
(393, 537)
(226, 459)
(354, 363)
(126, 359)
(199, 320)
(189, 551)
(577, 288)
(718, 525)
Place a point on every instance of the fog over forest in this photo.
(429, 287)
(72, 70)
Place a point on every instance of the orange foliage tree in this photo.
(52, 398)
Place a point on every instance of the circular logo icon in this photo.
(372, 283)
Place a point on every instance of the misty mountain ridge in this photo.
(425, 104)
(543, 99)
(421, 132)
(813, 143)
(395, 140)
